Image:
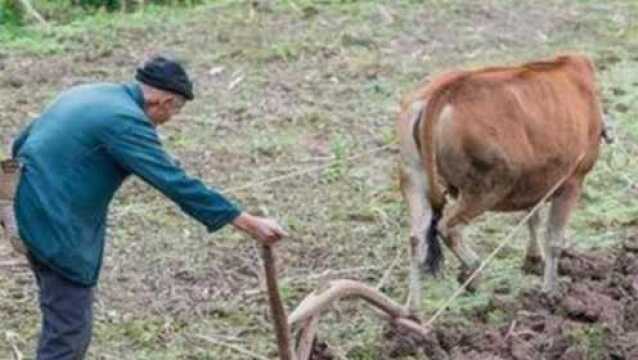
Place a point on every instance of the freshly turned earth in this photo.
(601, 296)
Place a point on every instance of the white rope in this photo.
(305, 171)
(507, 239)
(290, 175)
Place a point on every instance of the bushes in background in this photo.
(12, 13)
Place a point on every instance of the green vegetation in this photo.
(13, 13)
(592, 339)
(287, 85)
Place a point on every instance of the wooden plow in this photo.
(306, 315)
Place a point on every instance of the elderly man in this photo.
(74, 157)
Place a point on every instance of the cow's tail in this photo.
(434, 256)
(437, 95)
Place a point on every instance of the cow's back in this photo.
(519, 128)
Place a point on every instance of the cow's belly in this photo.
(530, 188)
(517, 203)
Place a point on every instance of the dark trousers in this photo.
(67, 315)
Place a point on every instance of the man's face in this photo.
(163, 108)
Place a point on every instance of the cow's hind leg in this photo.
(562, 205)
(413, 186)
(456, 217)
(533, 256)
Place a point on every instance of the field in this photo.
(313, 88)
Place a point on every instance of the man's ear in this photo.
(151, 102)
(166, 101)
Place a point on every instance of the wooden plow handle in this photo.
(276, 305)
(310, 309)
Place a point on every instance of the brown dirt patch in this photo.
(595, 316)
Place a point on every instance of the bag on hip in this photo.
(9, 177)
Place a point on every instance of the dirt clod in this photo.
(321, 351)
(596, 312)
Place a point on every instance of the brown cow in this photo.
(496, 139)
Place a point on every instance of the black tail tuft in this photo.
(434, 255)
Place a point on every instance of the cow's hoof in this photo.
(557, 289)
(533, 265)
(464, 275)
(553, 297)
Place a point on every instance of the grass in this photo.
(99, 28)
(316, 83)
(592, 340)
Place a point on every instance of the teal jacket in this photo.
(75, 156)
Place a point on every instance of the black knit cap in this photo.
(165, 74)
